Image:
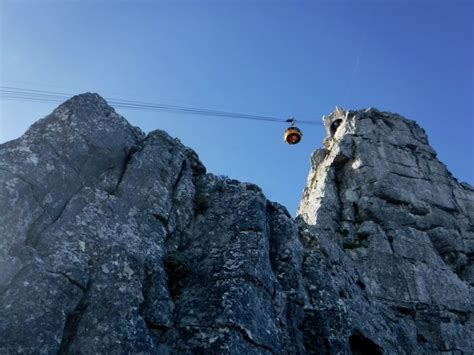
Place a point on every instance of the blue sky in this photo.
(296, 58)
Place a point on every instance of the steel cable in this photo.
(22, 94)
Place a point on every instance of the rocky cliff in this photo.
(112, 241)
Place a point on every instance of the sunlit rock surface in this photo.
(113, 241)
(377, 194)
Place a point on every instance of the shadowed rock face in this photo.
(112, 241)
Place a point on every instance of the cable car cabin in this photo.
(293, 135)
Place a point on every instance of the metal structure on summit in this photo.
(292, 134)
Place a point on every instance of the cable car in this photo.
(293, 134)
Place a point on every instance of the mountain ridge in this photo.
(117, 241)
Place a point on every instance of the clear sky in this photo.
(295, 58)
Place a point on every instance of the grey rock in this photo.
(378, 192)
(113, 241)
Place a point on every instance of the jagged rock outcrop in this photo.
(405, 226)
(113, 241)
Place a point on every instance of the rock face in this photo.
(403, 224)
(112, 241)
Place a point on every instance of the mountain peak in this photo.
(116, 242)
(86, 101)
(88, 108)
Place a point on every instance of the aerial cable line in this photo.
(154, 107)
(38, 95)
(50, 94)
(21, 94)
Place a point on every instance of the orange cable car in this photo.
(293, 134)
